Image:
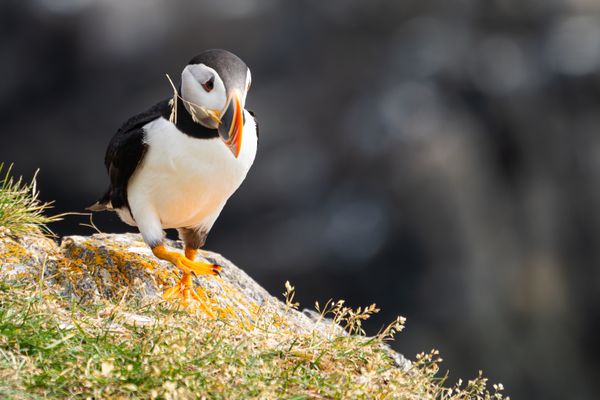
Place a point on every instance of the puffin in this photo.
(175, 165)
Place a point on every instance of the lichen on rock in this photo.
(25, 256)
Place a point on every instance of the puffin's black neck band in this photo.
(186, 124)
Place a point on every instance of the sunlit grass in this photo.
(21, 212)
(54, 348)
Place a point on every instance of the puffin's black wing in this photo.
(124, 153)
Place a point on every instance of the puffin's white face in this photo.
(217, 101)
(202, 86)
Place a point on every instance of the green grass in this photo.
(53, 348)
(21, 212)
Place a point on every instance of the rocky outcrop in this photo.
(113, 266)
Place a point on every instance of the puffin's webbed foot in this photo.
(184, 263)
(190, 296)
(184, 289)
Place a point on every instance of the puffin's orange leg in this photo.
(190, 253)
(183, 289)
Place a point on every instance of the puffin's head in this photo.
(214, 86)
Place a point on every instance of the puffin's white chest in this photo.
(186, 181)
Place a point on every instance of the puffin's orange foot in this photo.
(201, 268)
(189, 296)
(184, 263)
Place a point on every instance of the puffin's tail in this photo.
(102, 204)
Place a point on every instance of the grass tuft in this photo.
(21, 212)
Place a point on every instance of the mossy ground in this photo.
(54, 348)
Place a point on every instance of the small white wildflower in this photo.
(106, 369)
(169, 386)
(288, 286)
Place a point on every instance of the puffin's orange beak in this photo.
(232, 124)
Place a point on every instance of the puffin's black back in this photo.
(124, 153)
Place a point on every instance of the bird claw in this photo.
(200, 268)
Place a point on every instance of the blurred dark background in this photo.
(438, 157)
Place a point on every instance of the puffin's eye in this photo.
(209, 84)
